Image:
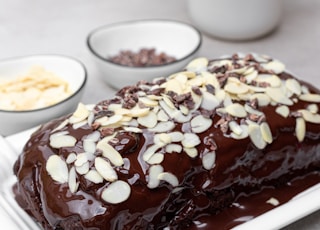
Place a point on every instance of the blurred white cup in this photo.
(235, 19)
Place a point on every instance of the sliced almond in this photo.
(191, 152)
(109, 152)
(273, 201)
(169, 177)
(168, 101)
(148, 102)
(235, 128)
(313, 108)
(271, 79)
(163, 126)
(310, 97)
(132, 129)
(184, 109)
(59, 141)
(190, 140)
(278, 95)
(81, 159)
(150, 151)
(200, 124)
(89, 146)
(162, 116)
(94, 176)
(61, 125)
(105, 169)
(198, 64)
(244, 133)
(179, 117)
(209, 101)
(173, 85)
(117, 192)
(251, 110)
(80, 114)
(72, 157)
(283, 110)
(154, 172)
(171, 148)
(111, 120)
(263, 99)
(156, 158)
(72, 180)
(208, 160)
(82, 169)
(236, 88)
(276, 66)
(138, 112)
(161, 139)
(149, 121)
(251, 76)
(211, 79)
(266, 132)
(310, 117)
(94, 136)
(256, 136)
(293, 85)
(57, 169)
(236, 110)
(300, 128)
(176, 136)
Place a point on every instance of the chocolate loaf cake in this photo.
(175, 152)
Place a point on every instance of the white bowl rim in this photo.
(144, 21)
(85, 78)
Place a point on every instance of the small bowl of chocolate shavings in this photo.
(129, 52)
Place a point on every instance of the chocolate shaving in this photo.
(196, 90)
(210, 88)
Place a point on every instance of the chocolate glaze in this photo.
(207, 199)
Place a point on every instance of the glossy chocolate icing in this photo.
(205, 198)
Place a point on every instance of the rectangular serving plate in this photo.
(300, 206)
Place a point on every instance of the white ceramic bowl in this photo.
(171, 37)
(235, 19)
(67, 68)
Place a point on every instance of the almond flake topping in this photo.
(116, 192)
(283, 110)
(177, 111)
(278, 95)
(109, 152)
(154, 172)
(200, 124)
(310, 97)
(256, 136)
(58, 140)
(57, 169)
(309, 116)
(105, 169)
(72, 180)
(169, 177)
(208, 160)
(94, 176)
(236, 110)
(273, 201)
(80, 114)
(300, 129)
(190, 140)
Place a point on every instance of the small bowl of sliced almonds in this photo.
(37, 88)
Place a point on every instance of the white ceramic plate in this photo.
(16, 219)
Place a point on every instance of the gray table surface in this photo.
(61, 27)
